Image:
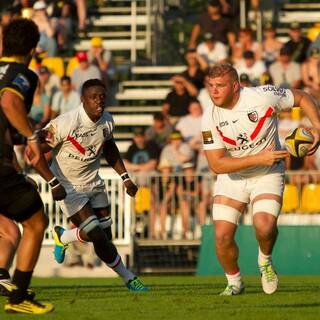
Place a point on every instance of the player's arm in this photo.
(113, 157)
(308, 106)
(220, 163)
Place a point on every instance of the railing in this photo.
(173, 207)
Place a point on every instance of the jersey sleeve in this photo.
(111, 126)
(280, 98)
(57, 132)
(210, 137)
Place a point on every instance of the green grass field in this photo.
(176, 297)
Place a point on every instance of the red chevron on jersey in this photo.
(226, 139)
(77, 145)
(261, 123)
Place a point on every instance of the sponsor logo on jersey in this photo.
(248, 146)
(253, 116)
(207, 137)
(223, 123)
(22, 83)
(242, 138)
(276, 91)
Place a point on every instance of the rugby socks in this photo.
(22, 280)
(234, 279)
(71, 235)
(118, 266)
(262, 258)
(4, 274)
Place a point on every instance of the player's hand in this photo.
(268, 156)
(316, 136)
(58, 192)
(131, 188)
(33, 152)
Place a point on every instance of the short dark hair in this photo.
(20, 37)
(65, 78)
(159, 116)
(92, 83)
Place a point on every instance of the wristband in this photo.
(33, 137)
(124, 176)
(54, 182)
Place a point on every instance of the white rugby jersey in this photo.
(249, 127)
(78, 144)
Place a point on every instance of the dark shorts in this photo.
(19, 199)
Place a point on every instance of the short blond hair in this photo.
(221, 69)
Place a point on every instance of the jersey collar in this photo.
(85, 118)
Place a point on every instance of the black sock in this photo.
(22, 280)
(4, 274)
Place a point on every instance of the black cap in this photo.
(248, 54)
(244, 77)
(285, 51)
(295, 25)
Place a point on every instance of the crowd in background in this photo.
(173, 143)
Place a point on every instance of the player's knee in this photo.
(10, 232)
(92, 229)
(224, 239)
(266, 232)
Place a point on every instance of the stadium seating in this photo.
(290, 198)
(55, 65)
(310, 198)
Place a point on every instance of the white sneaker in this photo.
(269, 278)
(232, 290)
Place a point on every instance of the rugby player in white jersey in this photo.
(242, 147)
(78, 139)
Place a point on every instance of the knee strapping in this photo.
(270, 206)
(89, 224)
(226, 213)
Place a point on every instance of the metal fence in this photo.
(173, 207)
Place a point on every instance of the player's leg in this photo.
(266, 205)
(266, 208)
(27, 209)
(226, 213)
(9, 239)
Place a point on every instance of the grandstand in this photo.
(148, 40)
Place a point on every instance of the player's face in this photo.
(222, 90)
(93, 101)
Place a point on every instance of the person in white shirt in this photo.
(212, 51)
(253, 68)
(78, 139)
(241, 143)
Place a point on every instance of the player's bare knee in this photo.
(224, 239)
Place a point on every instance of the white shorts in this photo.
(77, 198)
(245, 190)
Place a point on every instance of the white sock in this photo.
(118, 266)
(262, 258)
(71, 235)
(234, 279)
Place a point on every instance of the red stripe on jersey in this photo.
(76, 144)
(226, 139)
(261, 123)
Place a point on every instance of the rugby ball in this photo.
(298, 142)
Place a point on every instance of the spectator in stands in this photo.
(189, 191)
(142, 157)
(50, 82)
(196, 69)
(6, 17)
(213, 51)
(310, 71)
(285, 73)
(40, 110)
(253, 68)
(160, 130)
(270, 45)
(84, 71)
(298, 44)
(177, 151)
(47, 40)
(65, 99)
(203, 96)
(244, 80)
(177, 101)
(213, 22)
(190, 126)
(246, 42)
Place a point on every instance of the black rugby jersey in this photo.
(17, 78)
